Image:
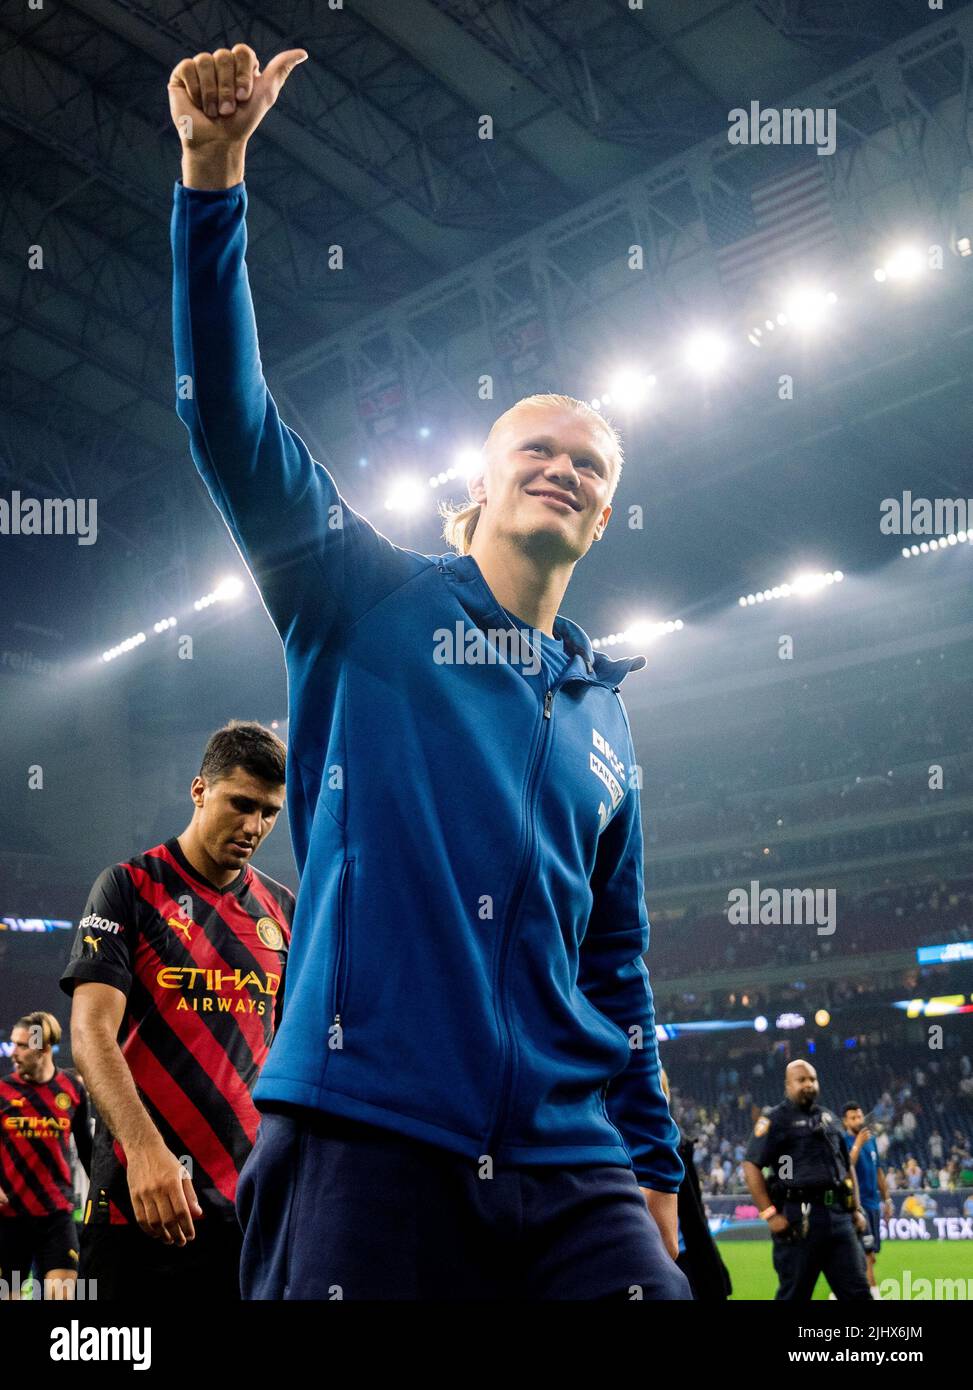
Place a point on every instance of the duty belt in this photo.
(828, 1195)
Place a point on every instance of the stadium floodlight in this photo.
(760, 1024)
(163, 625)
(465, 464)
(807, 306)
(937, 543)
(122, 647)
(705, 352)
(629, 388)
(230, 587)
(801, 585)
(405, 495)
(642, 630)
(907, 263)
(424, 431)
(467, 461)
(964, 246)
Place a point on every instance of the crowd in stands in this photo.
(789, 776)
(919, 1109)
(882, 920)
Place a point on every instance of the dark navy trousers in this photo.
(831, 1247)
(335, 1209)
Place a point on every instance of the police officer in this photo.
(810, 1199)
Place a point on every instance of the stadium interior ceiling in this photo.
(608, 130)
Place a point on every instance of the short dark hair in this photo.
(244, 743)
(850, 1105)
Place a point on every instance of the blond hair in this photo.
(459, 521)
(47, 1023)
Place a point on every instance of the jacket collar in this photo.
(479, 600)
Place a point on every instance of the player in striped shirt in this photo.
(176, 973)
(42, 1107)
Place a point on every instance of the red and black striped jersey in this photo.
(37, 1121)
(202, 969)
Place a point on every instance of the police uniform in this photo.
(813, 1192)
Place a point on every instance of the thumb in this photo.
(280, 68)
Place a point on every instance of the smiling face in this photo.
(548, 475)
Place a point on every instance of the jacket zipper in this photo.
(500, 1113)
(341, 952)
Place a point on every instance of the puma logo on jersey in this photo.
(184, 927)
(92, 941)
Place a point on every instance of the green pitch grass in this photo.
(749, 1263)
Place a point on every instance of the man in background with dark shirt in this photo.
(176, 974)
(42, 1107)
(812, 1207)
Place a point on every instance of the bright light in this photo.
(822, 1018)
(230, 587)
(801, 584)
(808, 583)
(806, 307)
(467, 461)
(760, 1023)
(937, 543)
(964, 246)
(406, 495)
(706, 352)
(629, 388)
(907, 263)
(122, 647)
(643, 630)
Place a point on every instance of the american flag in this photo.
(775, 224)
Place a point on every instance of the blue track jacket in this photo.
(466, 959)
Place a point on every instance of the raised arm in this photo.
(315, 560)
